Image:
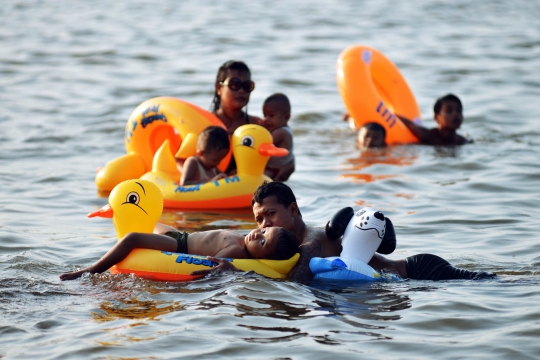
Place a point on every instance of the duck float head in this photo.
(134, 206)
(252, 146)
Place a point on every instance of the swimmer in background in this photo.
(449, 117)
(277, 112)
(371, 135)
(212, 146)
(275, 243)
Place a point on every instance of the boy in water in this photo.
(212, 146)
(449, 117)
(274, 243)
(372, 135)
(277, 112)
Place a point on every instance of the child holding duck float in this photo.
(277, 112)
(212, 146)
(272, 243)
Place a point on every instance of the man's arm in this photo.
(380, 263)
(301, 272)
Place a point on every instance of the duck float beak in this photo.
(269, 149)
(105, 212)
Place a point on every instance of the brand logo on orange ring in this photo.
(152, 114)
(386, 114)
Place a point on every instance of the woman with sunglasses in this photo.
(233, 87)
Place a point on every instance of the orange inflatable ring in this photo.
(374, 90)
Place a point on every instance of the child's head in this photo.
(233, 85)
(212, 146)
(277, 111)
(273, 243)
(372, 135)
(448, 112)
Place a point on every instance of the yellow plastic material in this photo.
(135, 206)
(374, 90)
(150, 124)
(251, 145)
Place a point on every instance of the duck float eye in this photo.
(247, 141)
(133, 197)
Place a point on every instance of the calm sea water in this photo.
(72, 72)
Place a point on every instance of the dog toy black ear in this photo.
(335, 227)
(388, 244)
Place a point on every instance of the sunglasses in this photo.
(235, 84)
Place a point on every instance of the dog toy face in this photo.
(364, 234)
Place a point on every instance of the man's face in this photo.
(270, 213)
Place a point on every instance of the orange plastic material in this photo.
(374, 90)
(150, 124)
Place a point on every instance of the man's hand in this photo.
(223, 266)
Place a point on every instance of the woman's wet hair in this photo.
(281, 192)
(287, 246)
(222, 76)
(440, 101)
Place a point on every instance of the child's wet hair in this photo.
(222, 76)
(280, 98)
(213, 138)
(440, 101)
(287, 246)
(373, 126)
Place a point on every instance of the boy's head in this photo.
(372, 135)
(276, 111)
(273, 243)
(212, 146)
(448, 112)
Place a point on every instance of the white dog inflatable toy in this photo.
(364, 233)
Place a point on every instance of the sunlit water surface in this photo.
(72, 72)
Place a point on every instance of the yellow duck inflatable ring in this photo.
(150, 124)
(252, 145)
(136, 206)
(374, 90)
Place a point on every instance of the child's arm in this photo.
(191, 170)
(282, 138)
(285, 171)
(122, 249)
(421, 133)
